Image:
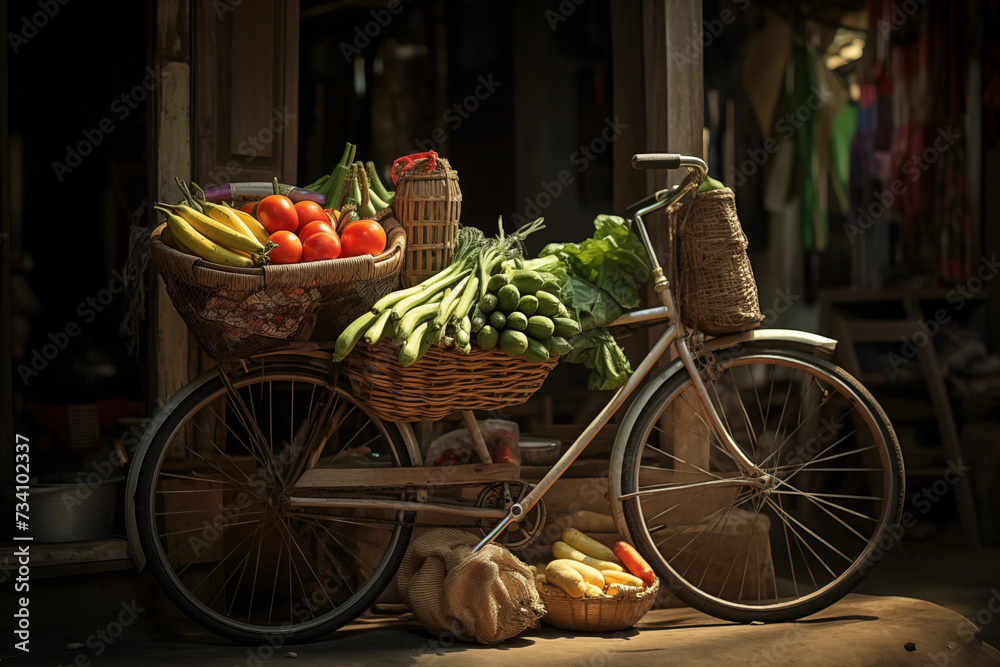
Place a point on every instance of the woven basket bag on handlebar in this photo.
(716, 289)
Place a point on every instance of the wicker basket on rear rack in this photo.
(428, 204)
(442, 381)
(235, 313)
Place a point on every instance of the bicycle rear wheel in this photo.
(214, 521)
(785, 545)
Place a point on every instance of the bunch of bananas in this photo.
(215, 232)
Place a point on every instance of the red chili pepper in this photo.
(633, 562)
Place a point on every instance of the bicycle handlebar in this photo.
(656, 161)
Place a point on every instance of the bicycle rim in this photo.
(782, 546)
(213, 519)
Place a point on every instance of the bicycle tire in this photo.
(716, 530)
(198, 529)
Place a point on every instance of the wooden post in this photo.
(659, 88)
(170, 140)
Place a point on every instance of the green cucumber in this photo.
(496, 282)
(526, 281)
(536, 351)
(540, 327)
(557, 346)
(548, 304)
(498, 320)
(513, 343)
(528, 304)
(488, 303)
(566, 326)
(507, 299)
(487, 338)
(552, 287)
(517, 321)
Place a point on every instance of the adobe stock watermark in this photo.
(900, 13)
(957, 297)
(252, 146)
(786, 127)
(924, 500)
(102, 638)
(580, 159)
(364, 34)
(30, 25)
(121, 108)
(562, 13)
(913, 168)
(459, 112)
(39, 358)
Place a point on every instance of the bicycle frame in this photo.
(674, 336)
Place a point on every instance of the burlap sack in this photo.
(717, 292)
(486, 597)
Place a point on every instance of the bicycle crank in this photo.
(521, 533)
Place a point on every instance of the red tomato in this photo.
(362, 237)
(321, 245)
(277, 213)
(309, 211)
(316, 226)
(288, 248)
(248, 207)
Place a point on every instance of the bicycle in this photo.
(268, 501)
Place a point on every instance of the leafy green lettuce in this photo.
(604, 272)
(603, 275)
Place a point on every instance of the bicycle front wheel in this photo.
(213, 515)
(771, 547)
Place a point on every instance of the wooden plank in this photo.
(370, 478)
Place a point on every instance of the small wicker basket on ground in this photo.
(443, 381)
(596, 614)
(428, 204)
(235, 312)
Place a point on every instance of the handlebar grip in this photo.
(656, 161)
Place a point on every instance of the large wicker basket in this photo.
(234, 312)
(443, 381)
(596, 614)
(428, 204)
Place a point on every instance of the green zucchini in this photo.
(350, 336)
